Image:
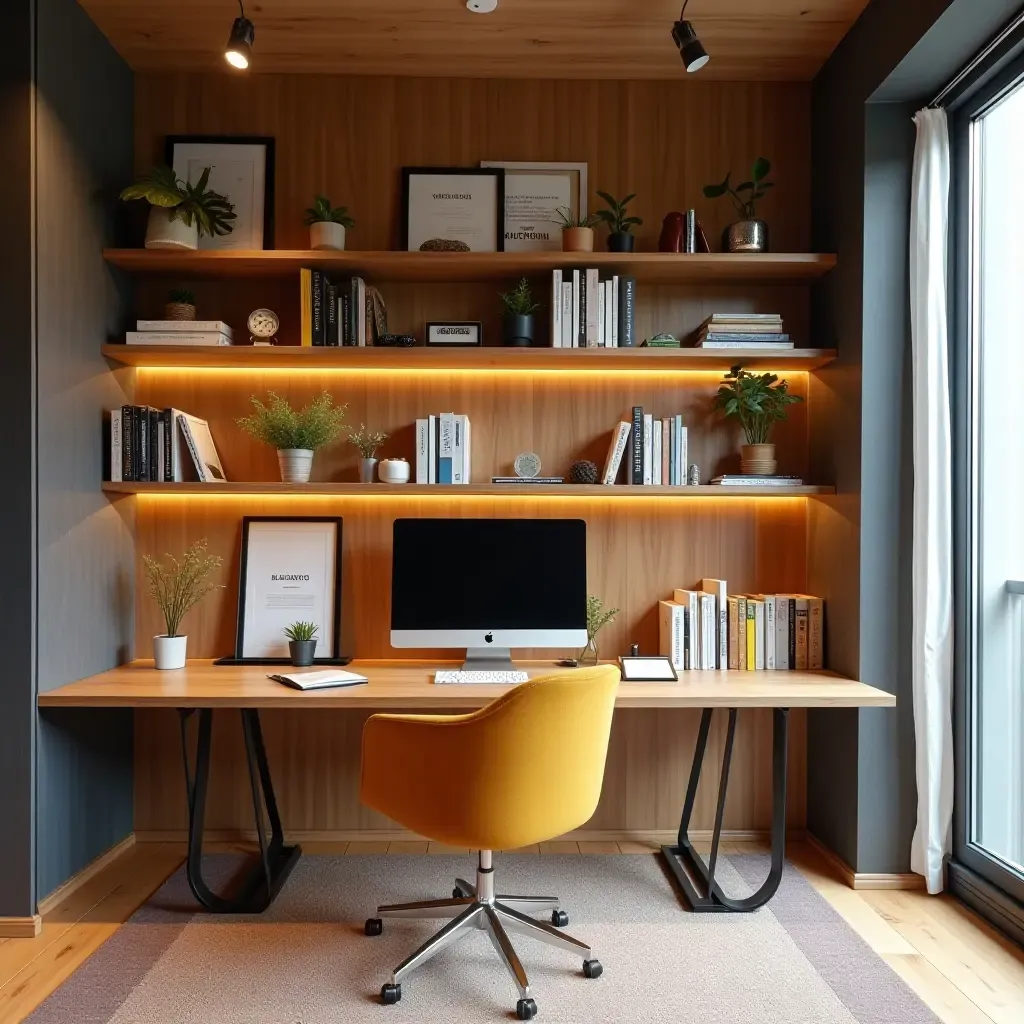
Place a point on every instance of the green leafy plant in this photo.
(367, 441)
(757, 400)
(569, 220)
(276, 423)
(182, 583)
(299, 631)
(745, 196)
(193, 204)
(519, 301)
(182, 295)
(321, 212)
(615, 216)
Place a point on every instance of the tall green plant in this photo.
(181, 584)
(757, 400)
(276, 423)
(519, 301)
(194, 204)
(745, 196)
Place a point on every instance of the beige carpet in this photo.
(306, 960)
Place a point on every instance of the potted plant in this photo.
(177, 587)
(302, 643)
(327, 224)
(181, 213)
(295, 434)
(748, 234)
(577, 232)
(620, 238)
(181, 305)
(518, 319)
(367, 441)
(597, 618)
(758, 401)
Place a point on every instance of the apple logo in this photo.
(489, 638)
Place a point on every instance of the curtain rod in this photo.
(969, 68)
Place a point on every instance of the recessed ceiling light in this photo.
(690, 49)
(238, 52)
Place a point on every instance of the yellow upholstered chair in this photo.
(524, 769)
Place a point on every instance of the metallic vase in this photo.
(746, 236)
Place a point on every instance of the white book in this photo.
(684, 455)
(656, 454)
(648, 441)
(615, 311)
(600, 314)
(576, 285)
(609, 338)
(468, 463)
(184, 326)
(422, 470)
(321, 679)
(671, 632)
(593, 280)
(202, 449)
(431, 449)
(567, 314)
(194, 338)
(556, 308)
(719, 591)
(446, 448)
(690, 599)
(181, 457)
(769, 632)
(782, 633)
(708, 632)
(616, 450)
(116, 463)
(759, 637)
(459, 450)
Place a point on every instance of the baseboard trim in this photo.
(20, 927)
(90, 871)
(862, 879)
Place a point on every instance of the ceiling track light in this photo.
(690, 49)
(238, 52)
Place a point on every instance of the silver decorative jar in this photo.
(746, 236)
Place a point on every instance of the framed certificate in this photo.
(455, 209)
(290, 571)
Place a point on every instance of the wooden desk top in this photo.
(408, 685)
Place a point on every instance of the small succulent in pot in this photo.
(367, 441)
(181, 304)
(577, 231)
(620, 224)
(748, 234)
(302, 642)
(519, 308)
(327, 224)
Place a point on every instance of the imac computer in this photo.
(489, 585)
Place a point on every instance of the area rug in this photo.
(307, 961)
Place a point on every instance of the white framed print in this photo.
(534, 192)
(242, 168)
(453, 209)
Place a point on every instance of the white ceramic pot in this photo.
(394, 471)
(164, 233)
(296, 464)
(758, 459)
(169, 651)
(366, 467)
(327, 235)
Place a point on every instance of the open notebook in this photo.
(318, 680)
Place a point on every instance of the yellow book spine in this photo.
(751, 637)
(306, 304)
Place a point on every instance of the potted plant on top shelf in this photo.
(620, 238)
(181, 213)
(748, 234)
(296, 434)
(577, 231)
(518, 319)
(180, 305)
(367, 441)
(758, 401)
(327, 224)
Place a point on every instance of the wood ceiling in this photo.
(748, 40)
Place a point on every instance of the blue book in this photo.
(446, 448)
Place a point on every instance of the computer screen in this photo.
(477, 582)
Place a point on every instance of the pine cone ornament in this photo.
(583, 472)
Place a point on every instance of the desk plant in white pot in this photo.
(296, 434)
(327, 224)
(176, 587)
(758, 401)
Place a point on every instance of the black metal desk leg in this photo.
(260, 884)
(687, 866)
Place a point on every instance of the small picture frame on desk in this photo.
(647, 670)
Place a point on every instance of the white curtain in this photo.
(932, 549)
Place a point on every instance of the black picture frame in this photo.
(267, 141)
(494, 172)
(335, 657)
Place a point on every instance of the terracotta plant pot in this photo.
(296, 464)
(164, 233)
(169, 652)
(327, 235)
(179, 311)
(758, 460)
(578, 240)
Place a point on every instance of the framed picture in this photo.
(533, 194)
(455, 333)
(462, 206)
(647, 670)
(290, 572)
(243, 170)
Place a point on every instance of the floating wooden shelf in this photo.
(418, 491)
(646, 267)
(251, 357)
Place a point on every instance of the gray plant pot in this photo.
(746, 236)
(302, 652)
(519, 330)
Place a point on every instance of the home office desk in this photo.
(201, 687)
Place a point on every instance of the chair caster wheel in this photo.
(592, 968)
(559, 918)
(526, 1009)
(373, 926)
(390, 994)
(457, 893)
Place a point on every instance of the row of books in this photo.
(707, 628)
(335, 313)
(148, 445)
(180, 332)
(743, 330)
(657, 451)
(587, 312)
(443, 449)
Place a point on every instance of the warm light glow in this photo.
(237, 59)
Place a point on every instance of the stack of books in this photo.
(745, 480)
(443, 449)
(657, 451)
(587, 312)
(337, 313)
(179, 332)
(148, 445)
(707, 629)
(743, 330)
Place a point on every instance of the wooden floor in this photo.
(966, 972)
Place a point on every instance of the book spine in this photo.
(584, 311)
(648, 447)
(815, 634)
(751, 636)
(733, 634)
(759, 646)
(168, 456)
(459, 450)
(673, 478)
(620, 440)
(556, 309)
(360, 312)
(127, 443)
(592, 308)
(609, 339)
(317, 298)
(792, 632)
(656, 452)
(782, 633)
(670, 633)
(567, 307)
(331, 312)
(197, 463)
(155, 451)
(691, 230)
(116, 447)
(190, 338)
(709, 643)
(576, 300)
(600, 314)
(432, 449)
(142, 451)
(769, 633)
(422, 474)
(344, 325)
(801, 634)
(306, 307)
(627, 312)
(353, 312)
(684, 455)
(186, 326)
(693, 614)
(741, 633)
(445, 448)
(637, 459)
(666, 451)
(467, 464)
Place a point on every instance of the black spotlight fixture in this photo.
(238, 52)
(694, 55)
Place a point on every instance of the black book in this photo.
(331, 303)
(344, 302)
(637, 470)
(627, 312)
(127, 444)
(168, 418)
(155, 455)
(581, 336)
(792, 632)
(317, 290)
(142, 418)
(686, 638)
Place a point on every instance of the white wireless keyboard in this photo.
(445, 676)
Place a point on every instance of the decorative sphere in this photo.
(583, 472)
